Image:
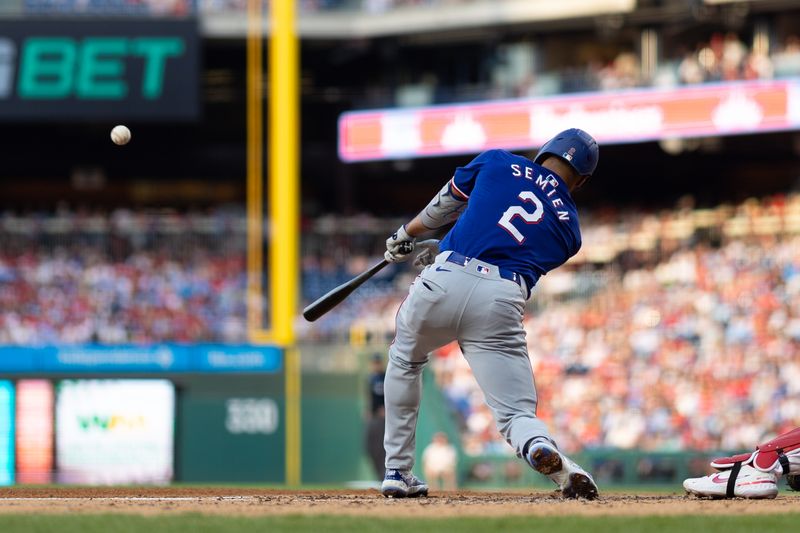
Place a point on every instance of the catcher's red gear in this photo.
(783, 450)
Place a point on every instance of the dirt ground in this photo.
(255, 502)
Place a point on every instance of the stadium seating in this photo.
(634, 344)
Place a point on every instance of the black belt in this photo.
(461, 259)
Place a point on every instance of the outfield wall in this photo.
(158, 414)
(215, 414)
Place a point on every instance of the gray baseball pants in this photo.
(483, 312)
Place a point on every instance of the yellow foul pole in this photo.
(283, 201)
(255, 169)
(284, 265)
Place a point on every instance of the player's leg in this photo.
(433, 477)
(753, 474)
(449, 479)
(780, 455)
(424, 323)
(418, 332)
(493, 341)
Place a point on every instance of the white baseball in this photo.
(120, 135)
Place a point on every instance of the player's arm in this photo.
(440, 213)
(433, 222)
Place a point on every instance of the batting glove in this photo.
(428, 250)
(399, 246)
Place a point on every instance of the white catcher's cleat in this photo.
(573, 480)
(750, 483)
(402, 484)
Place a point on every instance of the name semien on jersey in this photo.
(542, 182)
(536, 227)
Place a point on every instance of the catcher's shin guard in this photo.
(780, 455)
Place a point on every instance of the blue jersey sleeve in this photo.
(464, 178)
(576, 244)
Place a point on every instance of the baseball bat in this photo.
(334, 297)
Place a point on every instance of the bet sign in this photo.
(103, 70)
(95, 67)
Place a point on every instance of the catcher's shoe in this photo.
(746, 483)
(573, 480)
(402, 484)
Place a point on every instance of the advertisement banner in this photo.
(6, 433)
(152, 359)
(115, 431)
(238, 358)
(99, 70)
(156, 358)
(34, 431)
(611, 117)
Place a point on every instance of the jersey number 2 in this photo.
(506, 220)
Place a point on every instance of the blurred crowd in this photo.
(680, 330)
(524, 69)
(670, 330)
(122, 278)
(143, 277)
(724, 57)
(699, 351)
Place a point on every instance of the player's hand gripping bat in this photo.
(333, 298)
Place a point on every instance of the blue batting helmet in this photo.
(574, 146)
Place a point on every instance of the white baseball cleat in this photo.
(402, 484)
(573, 480)
(749, 483)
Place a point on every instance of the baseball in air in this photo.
(120, 135)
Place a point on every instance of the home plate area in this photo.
(261, 502)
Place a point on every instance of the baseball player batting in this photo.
(515, 220)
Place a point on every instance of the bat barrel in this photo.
(333, 298)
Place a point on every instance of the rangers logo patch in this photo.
(483, 270)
